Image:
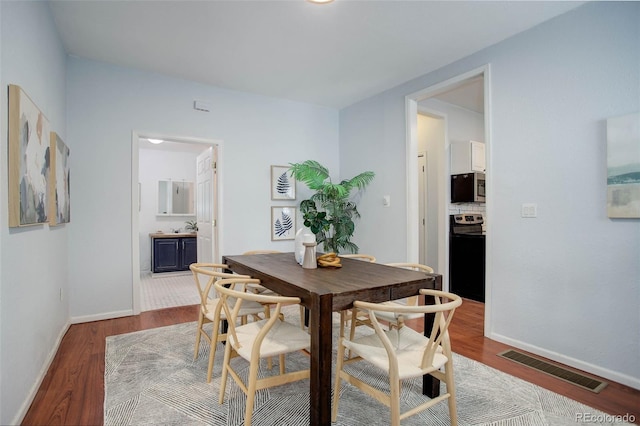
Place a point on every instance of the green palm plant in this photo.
(329, 213)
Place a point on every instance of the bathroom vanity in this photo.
(172, 252)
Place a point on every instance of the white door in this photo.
(206, 205)
(422, 208)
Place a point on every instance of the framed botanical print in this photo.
(283, 223)
(283, 186)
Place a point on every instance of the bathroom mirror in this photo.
(176, 198)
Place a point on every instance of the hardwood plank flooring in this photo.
(72, 392)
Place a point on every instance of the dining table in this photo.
(323, 291)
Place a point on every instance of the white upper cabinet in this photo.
(467, 157)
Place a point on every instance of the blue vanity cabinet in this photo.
(189, 253)
(173, 252)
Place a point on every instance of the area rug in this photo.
(152, 379)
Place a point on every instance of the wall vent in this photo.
(554, 370)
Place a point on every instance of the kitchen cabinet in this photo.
(173, 252)
(468, 156)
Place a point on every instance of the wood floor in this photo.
(72, 393)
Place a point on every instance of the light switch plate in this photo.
(386, 200)
(529, 210)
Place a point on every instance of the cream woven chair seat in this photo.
(409, 346)
(282, 338)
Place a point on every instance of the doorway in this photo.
(439, 203)
(431, 131)
(174, 159)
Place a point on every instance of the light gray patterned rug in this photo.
(151, 379)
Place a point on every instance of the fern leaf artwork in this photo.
(283, 223)
(283, 186)
(277, 227)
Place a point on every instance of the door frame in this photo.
(411, 112)
(135, 199)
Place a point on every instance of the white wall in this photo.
(464, 124)
(158, 165)
(34, 263)
(106, 103)
(563, 284)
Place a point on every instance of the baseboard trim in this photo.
(41, 375)
(614, 376)
(100, 317)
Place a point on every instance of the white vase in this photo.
(309, 261)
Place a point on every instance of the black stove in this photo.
(467, 255)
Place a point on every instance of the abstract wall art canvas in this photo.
(29, 161)
(59, 201)
(283, 223)
(283, 186)
(623, 166)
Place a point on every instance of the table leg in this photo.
(321, 351)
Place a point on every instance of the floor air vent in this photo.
(562, 373)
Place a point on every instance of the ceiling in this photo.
(331, 55)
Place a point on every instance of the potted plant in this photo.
(191, 225)
(330, 212)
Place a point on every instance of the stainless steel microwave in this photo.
(468, 188)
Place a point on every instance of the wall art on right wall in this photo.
(623, 166)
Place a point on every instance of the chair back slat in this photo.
(211, 272)
(358, 256)
(413, 300)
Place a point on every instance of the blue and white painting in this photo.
(60, 170)
(29, 161)
(623, 166)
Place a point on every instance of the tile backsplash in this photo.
(467, 207)
(470, 208)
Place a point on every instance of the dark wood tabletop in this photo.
(326, 290)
